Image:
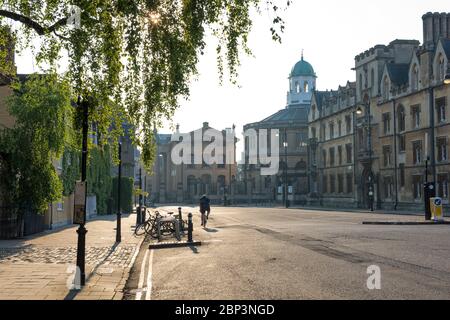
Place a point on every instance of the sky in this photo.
(330, 32)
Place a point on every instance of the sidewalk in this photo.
(38, 267)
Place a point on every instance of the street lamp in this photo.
(285, 145)
(359, 111)
(119, 178)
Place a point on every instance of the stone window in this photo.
(331, 126)
(349, 178)
(401, 116)
(324, 158)
(348, 124)
(339, 128)
(386, 123)
(442, 185)
(331, 151)
(401, 143)
(441, 144)
(324, 184)
(386, 88)
(402, 174)
(306, 86)
(387, 156)
(417, 152)
(441, 70)
(388, 187)
(313, 112)
(440, 110)
(340, 179)
(415, 111)
(417, 187)
(313, 132)
(332, 183)
(415, 78)
(297, 87)
(348, 149)
(340, 154)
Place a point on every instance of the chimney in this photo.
(435, 26)
(205, 125)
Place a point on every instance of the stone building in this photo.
(411, 122)
(187, 181)
(292, 123)
(331, 147)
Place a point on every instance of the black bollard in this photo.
(180, 217)
(190, 227)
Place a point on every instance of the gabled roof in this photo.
(446, 45)
(288, 114)
(398, 73)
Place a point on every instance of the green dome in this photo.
(302, 68)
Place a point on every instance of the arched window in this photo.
(313, 112)
(306, 87)
(401, 117)
(297, 87)
(415, 78)
(386, 88)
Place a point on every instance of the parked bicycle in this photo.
(149, 227)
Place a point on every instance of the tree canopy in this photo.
(135, 58)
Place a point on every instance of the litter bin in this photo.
(436, 209)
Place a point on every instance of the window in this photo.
(322, 132)
(324, 158)
(340, 183)
(340, 155)
(313, 132)
(401, 118)
(441, 144)
(417, 152)
(348, 124)
(440, 110)
(415, 111)
(402, 174)
(313, 112)
(386, 88)
(360, 82)
(415, 78)
(349, 178)
(339, 128)
(387, 156)
(331, 151)
(348, 149)
(402, 143)
(386, 123)
(442, 185)
(332, 183)
(388, 187)
(417, 187)
(306, 86)
(297, 87)
(372, 78)
(440, 71)
(331, 126)
(324, 184)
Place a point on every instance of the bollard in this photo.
(158, 227)
(190, 227)
(180, 217)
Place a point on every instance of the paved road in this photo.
(266, 253)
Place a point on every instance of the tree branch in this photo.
(40, 30)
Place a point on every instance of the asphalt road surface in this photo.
(276, 253)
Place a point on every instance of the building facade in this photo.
(291, 181)
(173, 182)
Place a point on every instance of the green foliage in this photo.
(135, 59)
(99, 176)
(71, 161)
(126, 192)
(42, 109)
(7, 67)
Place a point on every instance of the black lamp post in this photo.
(285, 145)
(81, 231)
(359, 111)
(119, 179)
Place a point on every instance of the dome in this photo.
(302, 68)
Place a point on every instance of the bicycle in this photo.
(148, 226)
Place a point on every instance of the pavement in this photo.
(276, 253)
(38, 267)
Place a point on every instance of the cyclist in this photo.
(205, 209)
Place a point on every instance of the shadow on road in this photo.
(194, 249)
(210, 230)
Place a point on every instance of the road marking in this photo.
(149, 276)
(141, 275)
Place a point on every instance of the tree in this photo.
(135, 58)
(43, 113)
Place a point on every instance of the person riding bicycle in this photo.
(205, 209)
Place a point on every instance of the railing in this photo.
(17, 222)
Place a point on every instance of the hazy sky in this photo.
(331, 33)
